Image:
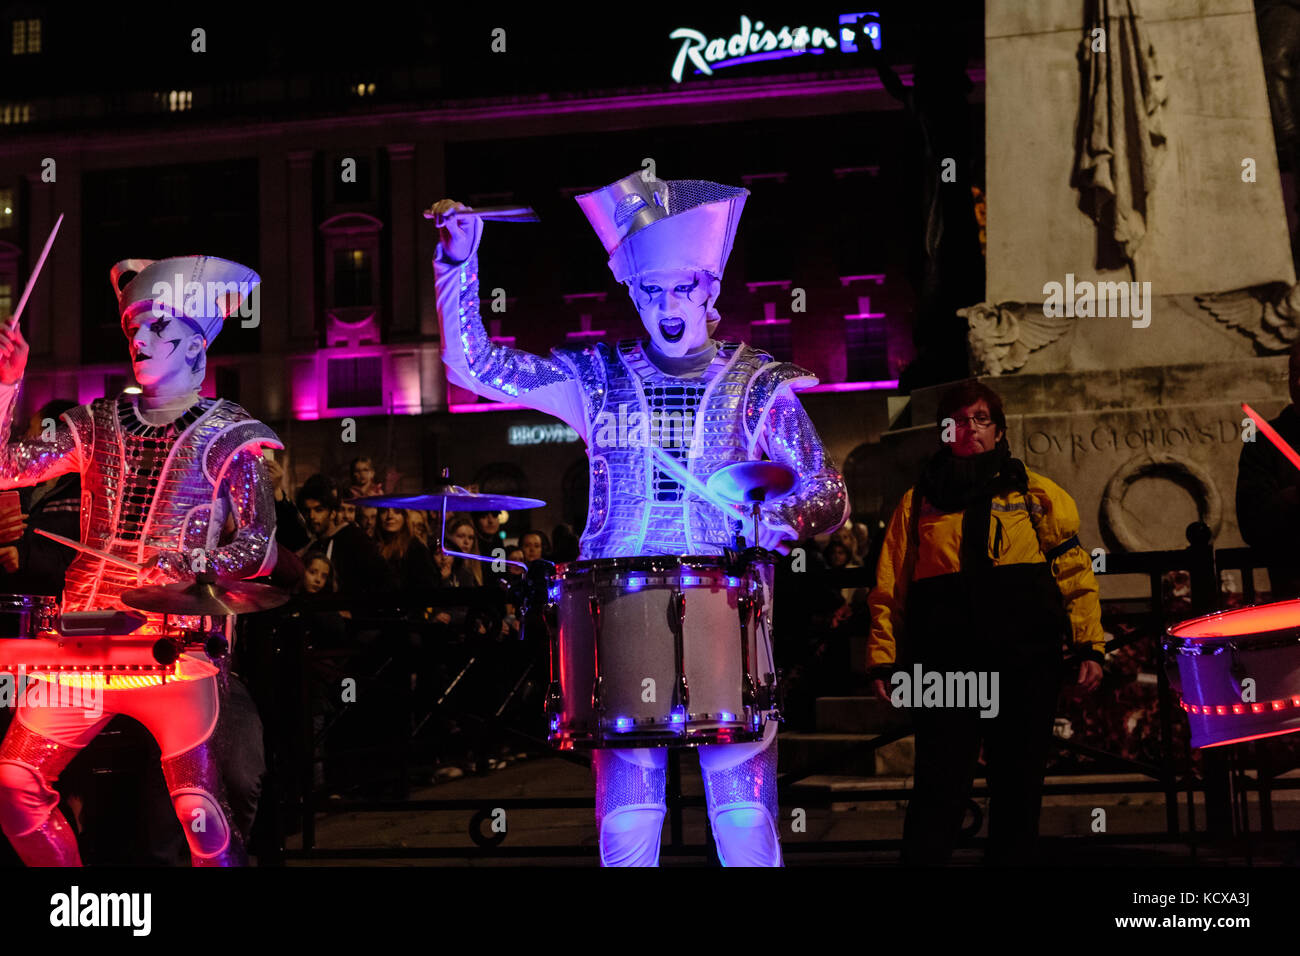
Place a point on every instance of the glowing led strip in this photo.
(1226, 710)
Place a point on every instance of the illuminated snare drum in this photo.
(31, 644)
(1219, 655)
(660, 651)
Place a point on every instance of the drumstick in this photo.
(1271, 434)
(672, 466)
(87, 549)
(496, 213)
(36, 271)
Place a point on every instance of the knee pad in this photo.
(746, 835)
(630, 806)
(197, 795)
(630, 836)
(742, 801)
(26, 798)
(206, 829)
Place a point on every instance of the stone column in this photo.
(302, 250)
(404, 221)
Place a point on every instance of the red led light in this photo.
(1242, 740)
(1238, 708)
(1221, 710)
(1257, 708)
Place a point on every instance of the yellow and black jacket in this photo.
(1037, 591)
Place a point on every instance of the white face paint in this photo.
(674, 306)
(166, 354)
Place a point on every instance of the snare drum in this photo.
(1215, 654)
(31, 644)
(660, 651)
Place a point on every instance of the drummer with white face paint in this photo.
(668, 243)
(164, 475)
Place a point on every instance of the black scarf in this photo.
(952, 483)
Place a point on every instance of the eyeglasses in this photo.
(976, 421)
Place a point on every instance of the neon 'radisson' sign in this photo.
(757, 42)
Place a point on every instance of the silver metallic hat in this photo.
(652, 224)
(201, 291)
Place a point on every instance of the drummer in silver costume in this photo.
(669, 243)
(170, 481)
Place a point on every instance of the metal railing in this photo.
(1222, 778)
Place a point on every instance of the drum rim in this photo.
(1174, 639)
(647, 563)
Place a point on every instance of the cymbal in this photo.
(205, 597)
(748, 481)
(450, 498)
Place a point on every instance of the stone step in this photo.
(833, 783)
(804, 754)
(857, 715)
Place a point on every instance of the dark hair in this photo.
(358, 460)
(394, 546)
(541, 536)
(967, 393)
(319, 488)
(56, 407)
(331, 583)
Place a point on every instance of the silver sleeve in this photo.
(29, 462)
(820, 501)
(252, 499)
(495, 371)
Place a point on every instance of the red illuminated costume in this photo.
(165, 476)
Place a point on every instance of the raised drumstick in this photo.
(495, 213)
(36, 271)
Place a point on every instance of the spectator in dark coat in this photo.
(1268, 492)
(354, 556)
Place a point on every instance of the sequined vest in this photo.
(149, 488)
(637, 506)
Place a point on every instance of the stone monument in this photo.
(1140, 279)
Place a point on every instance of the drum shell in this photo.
(637, 654)
(1211, 670)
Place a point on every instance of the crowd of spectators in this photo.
(366, 583)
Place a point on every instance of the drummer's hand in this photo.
(455, 234)
(777, 537)
(13, 354)
(165, 567)
(1089, 676)
(9, 559)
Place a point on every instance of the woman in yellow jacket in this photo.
(981, 587)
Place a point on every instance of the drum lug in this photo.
(597, 685)
(748, 692)
(677, 615)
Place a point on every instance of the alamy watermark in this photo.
(635, 428)
(41, 689)
(946, 689)
(229, 299)
(1101, 300)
